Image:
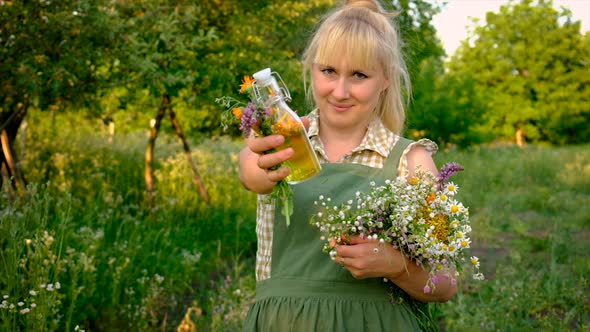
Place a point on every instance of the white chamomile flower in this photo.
(451, 189)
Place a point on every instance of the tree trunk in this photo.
(149, 153)
(519, 137)
(9, 165)
(196, 177)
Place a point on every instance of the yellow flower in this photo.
(454, 209)
(413, 180)
(246, 84)
(441, 227)
(443, 197)
(286, 126)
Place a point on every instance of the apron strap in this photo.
(395, 154)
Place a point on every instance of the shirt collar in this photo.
(375, 139)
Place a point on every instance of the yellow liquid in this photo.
(304, 162)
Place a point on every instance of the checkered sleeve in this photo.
(429, 145)
(264, 228)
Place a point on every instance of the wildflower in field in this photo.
(419, 216)
(475, 261)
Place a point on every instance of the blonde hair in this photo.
(362, 31)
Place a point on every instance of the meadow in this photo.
(84, 252)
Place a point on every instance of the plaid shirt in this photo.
(373, 151)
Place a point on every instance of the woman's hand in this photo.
(366, 258)
(257, 166)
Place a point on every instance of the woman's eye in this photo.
(360, 75)
(328, 71)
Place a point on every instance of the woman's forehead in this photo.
(348, 61)
(357, 53)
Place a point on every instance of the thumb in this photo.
(305, 121)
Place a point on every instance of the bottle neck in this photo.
(271, 94)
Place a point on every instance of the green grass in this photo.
(84, 248)
(531, 225)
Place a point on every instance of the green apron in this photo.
(309, 292)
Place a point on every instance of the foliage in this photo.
(420, 42)
(543, 91)
(533, 220)
(447, 107)
(118, 266)
(226, 304)
(161, 46)
(51, 52)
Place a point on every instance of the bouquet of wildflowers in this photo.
(418, 215)
(253, 117)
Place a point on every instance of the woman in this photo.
(358, 79)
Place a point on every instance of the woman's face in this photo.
(346, 96)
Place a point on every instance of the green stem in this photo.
(286, 210)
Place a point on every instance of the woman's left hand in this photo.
(366, 258)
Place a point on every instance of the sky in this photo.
(451, 23)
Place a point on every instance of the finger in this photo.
(262, 144)
(332, 242)
(268, 161)
(358, 239)
(359, 250)
(279, 174)
(344, 251)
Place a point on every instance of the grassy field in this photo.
(83, 252)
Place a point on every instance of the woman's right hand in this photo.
(256, 164)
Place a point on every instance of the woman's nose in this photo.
(341, 88)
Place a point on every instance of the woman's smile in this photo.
(340, 107)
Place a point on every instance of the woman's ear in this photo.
(385, 85)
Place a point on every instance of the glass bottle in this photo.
(304, 163)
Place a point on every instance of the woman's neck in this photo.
(339, 143)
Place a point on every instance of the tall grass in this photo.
(531, 224)
(83, 252)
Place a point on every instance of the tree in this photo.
(447, 107)
(50, 55)
(160, 54)
(530, 60)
